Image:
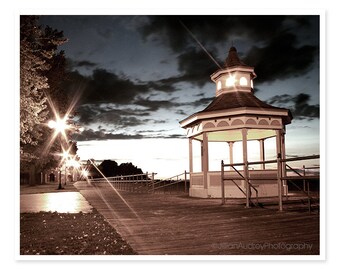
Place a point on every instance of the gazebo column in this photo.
(284, 174)
(231, 153)
(283, 151)
(279, 166)
(190, 156)
(205, 160)
(245, 166)
(262, 154)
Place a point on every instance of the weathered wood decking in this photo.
(159, 224)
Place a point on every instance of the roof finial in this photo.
(233, 59)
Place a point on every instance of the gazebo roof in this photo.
(240, 100)
(237, 99)
(233, 60)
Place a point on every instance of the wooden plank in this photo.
(156, 224)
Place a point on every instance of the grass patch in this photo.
(48, 233)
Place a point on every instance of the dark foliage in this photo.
(110, 168)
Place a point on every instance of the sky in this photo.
(140, 75)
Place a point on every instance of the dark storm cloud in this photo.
(280, 100)
(90, 134)
(106, 96)
(182, 112)
(155, 105)
(75, 65)
(104, 86)
(201, 102)
(171, 136)
(162, 85)
(120, 118)
(210, 29)
(108, 87)
(84, 63)
(196, 67)
(280, 38)
(281, 58)
(298, 105)
(303, 109)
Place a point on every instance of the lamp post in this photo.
(59, 125)
(59, 180)
(65, 158)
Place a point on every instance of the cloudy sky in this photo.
(140, 75)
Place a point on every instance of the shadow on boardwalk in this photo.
(159, 224)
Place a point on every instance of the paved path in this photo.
(173, 224)
(62, 202)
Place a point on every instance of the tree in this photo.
(128, 169)
(109, 168)
(41, 71)
(32, 83)
(92, 169)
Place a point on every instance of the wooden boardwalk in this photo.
(160, 224)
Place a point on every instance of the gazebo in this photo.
(235, 115)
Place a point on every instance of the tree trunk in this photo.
(32, 178)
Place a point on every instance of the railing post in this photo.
(246, 176)
(286, 181)
(153, 182)
(304, 180)
(222, 183)
(309, 200)
(185, 181)
(279, 180)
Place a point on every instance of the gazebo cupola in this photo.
(235, 115)
(235, 76)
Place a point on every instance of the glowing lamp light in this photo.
(243, 81)
(85, 173)
(219, 85)
(65, 155)
(230, 81)
(52, 124)
(73, 163)
(60, 125)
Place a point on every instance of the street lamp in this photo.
(73, 165)
(60, 125)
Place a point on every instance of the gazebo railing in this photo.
(306, 178)
(172, 184)
(138, 183)
(146, 183)
(244, 178)
(280, 176)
